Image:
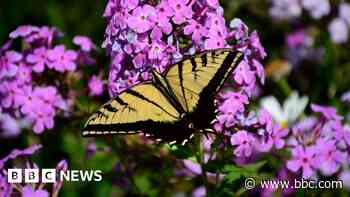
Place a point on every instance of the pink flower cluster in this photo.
(32, 79)
(146, 35)
(249, 133)
(141, 36)
(319, 143)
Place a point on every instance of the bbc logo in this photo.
(51, 175)
(31, 175)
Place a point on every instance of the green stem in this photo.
(115, 147)
(284, 86)
(200, 157)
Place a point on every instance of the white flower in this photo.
(317, 8)
(292, 108)
(339, 30)
(285, 9)
(344, 12)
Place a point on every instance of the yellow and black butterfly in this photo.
(173, 105)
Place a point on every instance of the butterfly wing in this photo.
(141, 107)
(193, 82)
(199, 78)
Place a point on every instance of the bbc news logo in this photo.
(52, 175)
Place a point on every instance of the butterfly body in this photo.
(173, 105)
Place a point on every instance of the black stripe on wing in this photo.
(208, 94)
(194, 63)
(204, 58)
(140, 96)
(180, 68)
(167, 91)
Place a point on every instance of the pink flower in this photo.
(6, 188)
(240, 30)
(156, 51)
(49, 95)
(256, 45)
(199, 192)
(27, 99)
(61, 59)
(42, 116)
(84, 42)
(61, 166)
(48, 33)
(275, 137)
(129, 4)
(8, 63)
(327, 112)
(39, 59)
(214, 43)
(16, 153)
(139, 60)
(95, 86)
(9, 125)
(140, 19)
(164, 10)
(265, 119)
(215, 22)
(243, 74)
(162, 18)
(305, 159)
(196, 29)
(23, 31)
(194, 167)
(343, 134)
(244, 142)
(330, 156)
(296, 38)
(213, 3)
(24, 74)
(132, 78)
(28, 191)
(11, 94)
(181, 10)
(45, 34)
(162, 25)
(260, 71)
(234, 102)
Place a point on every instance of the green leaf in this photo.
(143, 184)
(254, 167)
(231, 177)
(102, 161)
(214, 166)
(236, 172)
(182, 152)
(74, 147)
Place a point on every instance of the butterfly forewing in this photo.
(189, 77)
(143, 103)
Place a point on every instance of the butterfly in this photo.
(172, 106)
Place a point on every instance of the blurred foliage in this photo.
(71, 16)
